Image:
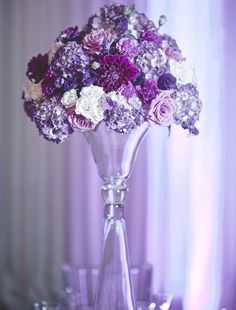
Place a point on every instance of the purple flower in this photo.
(30, 108)
(37, 67)
(79, 122)
(121, 25)
(70, 57)
(151, 60)
(166, 81)
(188, 107)
(128, 91)
(151, 37)
(148, 91)
(114, 71)
(70, 34)
(127, 47)
(123, 120)
(52, 121)
(162, 109)
(94, 41)
(171, 48)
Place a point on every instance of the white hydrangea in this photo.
(33, 91)
(120, 99)
(130, 103)
(89, 104)
(183, 72)
(69, 98)
(135, 102)
(133, 20)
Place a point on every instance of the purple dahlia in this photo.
(37, 67)
(115, 71)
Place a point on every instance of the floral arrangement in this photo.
(118, 69)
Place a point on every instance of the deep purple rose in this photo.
(166, 81)
(37, 67)
(114, 71)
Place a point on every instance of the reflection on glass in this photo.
(164, 301)
(146, 306)
(45, 305)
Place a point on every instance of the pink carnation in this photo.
(93, 42)
(79, 122)
(162, 109)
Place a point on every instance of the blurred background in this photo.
(181, 210)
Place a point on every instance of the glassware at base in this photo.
(84, 280)
(48, 305)
(146, 306)
(163, 301)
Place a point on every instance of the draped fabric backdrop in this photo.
(181, 212)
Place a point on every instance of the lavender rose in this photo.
(93, 42)
(79, 122)
(162, 109)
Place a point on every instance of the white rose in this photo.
(92, 110)
(92, 92)
(183, 72)
(33, 91)
(69, 98)
(89, 104)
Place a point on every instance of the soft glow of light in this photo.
(184, 172)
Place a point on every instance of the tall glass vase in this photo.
(114, 154)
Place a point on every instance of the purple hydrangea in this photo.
(151, 60)
(121, 25)
(30, 108)
(188, 107)
(52, 121)
(171, 48)
(114, 71)
(143, 24)
(37, 67)
(123, 120)
(71, 56)
(70, 34)
(166, 81)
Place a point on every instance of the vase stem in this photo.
(114, 290)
